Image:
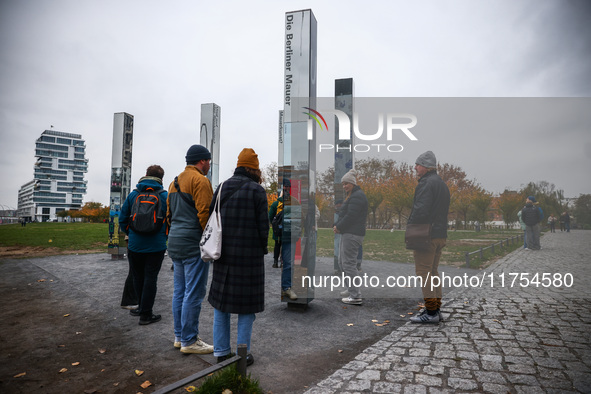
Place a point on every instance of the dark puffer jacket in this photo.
(238, 280)
(431, 204)
(353, 213)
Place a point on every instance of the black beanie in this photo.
(196, 153)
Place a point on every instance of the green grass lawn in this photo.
(64, 236)
(381, 245)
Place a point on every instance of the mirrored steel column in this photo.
(120, 180)
(210, 138)
(299, 149)
(343, 156)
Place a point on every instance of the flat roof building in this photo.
(58, 182)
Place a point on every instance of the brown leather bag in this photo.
(417, 236)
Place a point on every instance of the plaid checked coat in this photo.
(238, 281)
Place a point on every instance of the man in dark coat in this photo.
(430, 206)
(238, 282)
(532, 216)
(351, 225)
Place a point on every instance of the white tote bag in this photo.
(211, 240)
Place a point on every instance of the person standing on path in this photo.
(238, 280)
(189, 197)
(430, 206)
(276, 235)
(532, 216)
(351, 225)
(145, 251)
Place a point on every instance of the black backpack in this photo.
(146, 212)
(277, 223)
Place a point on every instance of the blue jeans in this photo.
(221, 331)
(190, 281)
(286, 272)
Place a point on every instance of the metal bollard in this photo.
(241, 365)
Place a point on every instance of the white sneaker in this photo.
(177, 344)
(289, 293)
(352, 301)
(199, 347)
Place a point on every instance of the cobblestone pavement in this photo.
(518, 338)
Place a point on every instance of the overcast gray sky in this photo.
(73, 64)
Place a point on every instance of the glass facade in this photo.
(59, 171)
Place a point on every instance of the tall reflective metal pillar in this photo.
(343, 156)
(210, 138)
(299, 154)
(120, 180)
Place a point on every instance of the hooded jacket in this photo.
(187, 221)
(431, 204)
(144, 243)
(353, 214)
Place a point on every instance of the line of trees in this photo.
(93, 212)
(389, 186)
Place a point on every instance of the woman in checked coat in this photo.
(238, 282)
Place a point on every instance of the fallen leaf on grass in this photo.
(190, 389)
(102, 351)
(63, 370)
(66, 315)
(138, 372)
(20, 375)
(374, 321)
(116, 384)
(386, 321)
(146, 384)
(76, 363)
(50, 240)
(41, 280)
(410, 313)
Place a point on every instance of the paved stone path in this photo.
(511, 339)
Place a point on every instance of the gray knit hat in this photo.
(350, 177)
(427, 160)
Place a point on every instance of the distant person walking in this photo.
(430, 206)
(561, 221)
(567, 222)
(145, 250)
(552, 223)
(351, 226)
(532, 215)
(238, 280)
(189, 197)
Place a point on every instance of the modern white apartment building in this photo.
(58, 182)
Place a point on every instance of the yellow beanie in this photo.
(248, 158)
